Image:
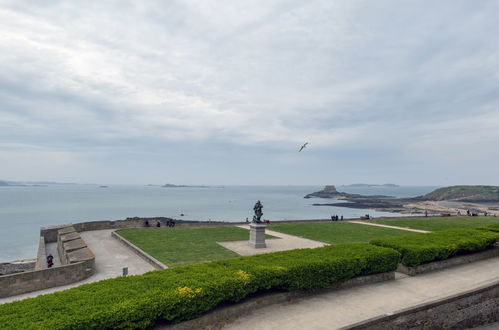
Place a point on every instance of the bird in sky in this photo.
(303, 146)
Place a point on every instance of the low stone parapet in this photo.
(41, 256)
(138, 251)
(14, 284)
(17, 266)
(454, 261)
(464, 310)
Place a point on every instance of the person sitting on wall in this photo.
(158, 224)
(146, 223)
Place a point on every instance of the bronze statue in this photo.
(258, 212)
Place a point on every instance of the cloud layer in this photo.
(126, 91)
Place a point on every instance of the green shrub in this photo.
(494, 227)
(186, 292)
(423, 248)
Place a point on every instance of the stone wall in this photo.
(461, 311)
(17, 266)
(41, 257)
(14, 284)
(138, 251)
(51, 233)
(78, 263)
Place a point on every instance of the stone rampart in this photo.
(51, 233)
(17, 266)
(465, 310)
(14, 284)
(41, 256)
(78, 263)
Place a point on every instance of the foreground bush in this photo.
(184, 293)
(423, 248)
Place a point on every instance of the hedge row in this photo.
(494, 228)
(423, 248)
(186, 292)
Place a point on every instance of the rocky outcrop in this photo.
(464, 194)
(328, 192)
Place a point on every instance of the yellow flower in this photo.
(245, 277)
(188, 292)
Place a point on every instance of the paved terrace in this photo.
(282, 243)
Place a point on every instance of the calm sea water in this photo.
(23, 210)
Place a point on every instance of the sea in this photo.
(24, 209)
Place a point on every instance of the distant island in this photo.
(5, 183)
(169, 185)
(453, 199)
(19, 184)
(371, 185)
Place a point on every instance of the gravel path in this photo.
(388, 226)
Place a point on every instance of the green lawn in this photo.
(183, 246)
(337, 232)
(440, 223)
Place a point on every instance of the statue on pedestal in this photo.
(258, 212)
(257, 228)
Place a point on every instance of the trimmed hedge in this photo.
(423, 248)
(494, 228)
(183, 293)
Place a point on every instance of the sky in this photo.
(226, 92)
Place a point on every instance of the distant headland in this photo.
(372, 185)
(453, 199)
(5, 183)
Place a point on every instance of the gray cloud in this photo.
(378, 89)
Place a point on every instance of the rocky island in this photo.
(454, 199)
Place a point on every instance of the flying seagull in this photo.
(303, 146)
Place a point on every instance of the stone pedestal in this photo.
(257, 236)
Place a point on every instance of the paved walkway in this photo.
(284, 242)
(110, 258)
(340, 308)
(388, 226)
(51, 248)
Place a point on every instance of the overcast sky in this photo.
(225, 92)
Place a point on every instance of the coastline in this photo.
(409, 205)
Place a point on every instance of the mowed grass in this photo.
(337, 232)
(440, 223)
(183, 246)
